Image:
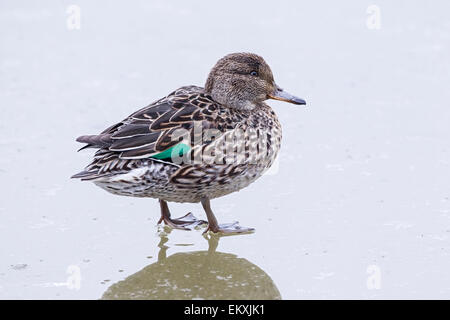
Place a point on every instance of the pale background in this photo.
(359, 206)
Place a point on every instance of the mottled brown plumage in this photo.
(196, 143)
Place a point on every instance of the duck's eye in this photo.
(254, 73)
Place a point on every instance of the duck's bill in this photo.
(282, 95)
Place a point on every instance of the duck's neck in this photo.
(236, 104)
(231, 101)
(224, 93)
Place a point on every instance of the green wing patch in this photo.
(175, 151)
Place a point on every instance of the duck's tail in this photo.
(85, 175)
(93, 170)
(95, 141)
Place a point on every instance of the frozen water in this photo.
(359, 203)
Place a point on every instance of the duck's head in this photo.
(242, 80)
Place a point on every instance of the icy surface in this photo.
(357, 207)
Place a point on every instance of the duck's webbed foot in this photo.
(229, 228)
(186, 222)
(224, 229)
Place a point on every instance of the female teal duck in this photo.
(195, 144)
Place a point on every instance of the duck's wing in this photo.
(154, 131)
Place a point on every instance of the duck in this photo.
(195, 144)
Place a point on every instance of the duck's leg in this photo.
(186, 222)
(227, 228)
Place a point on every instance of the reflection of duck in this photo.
(196, 275)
